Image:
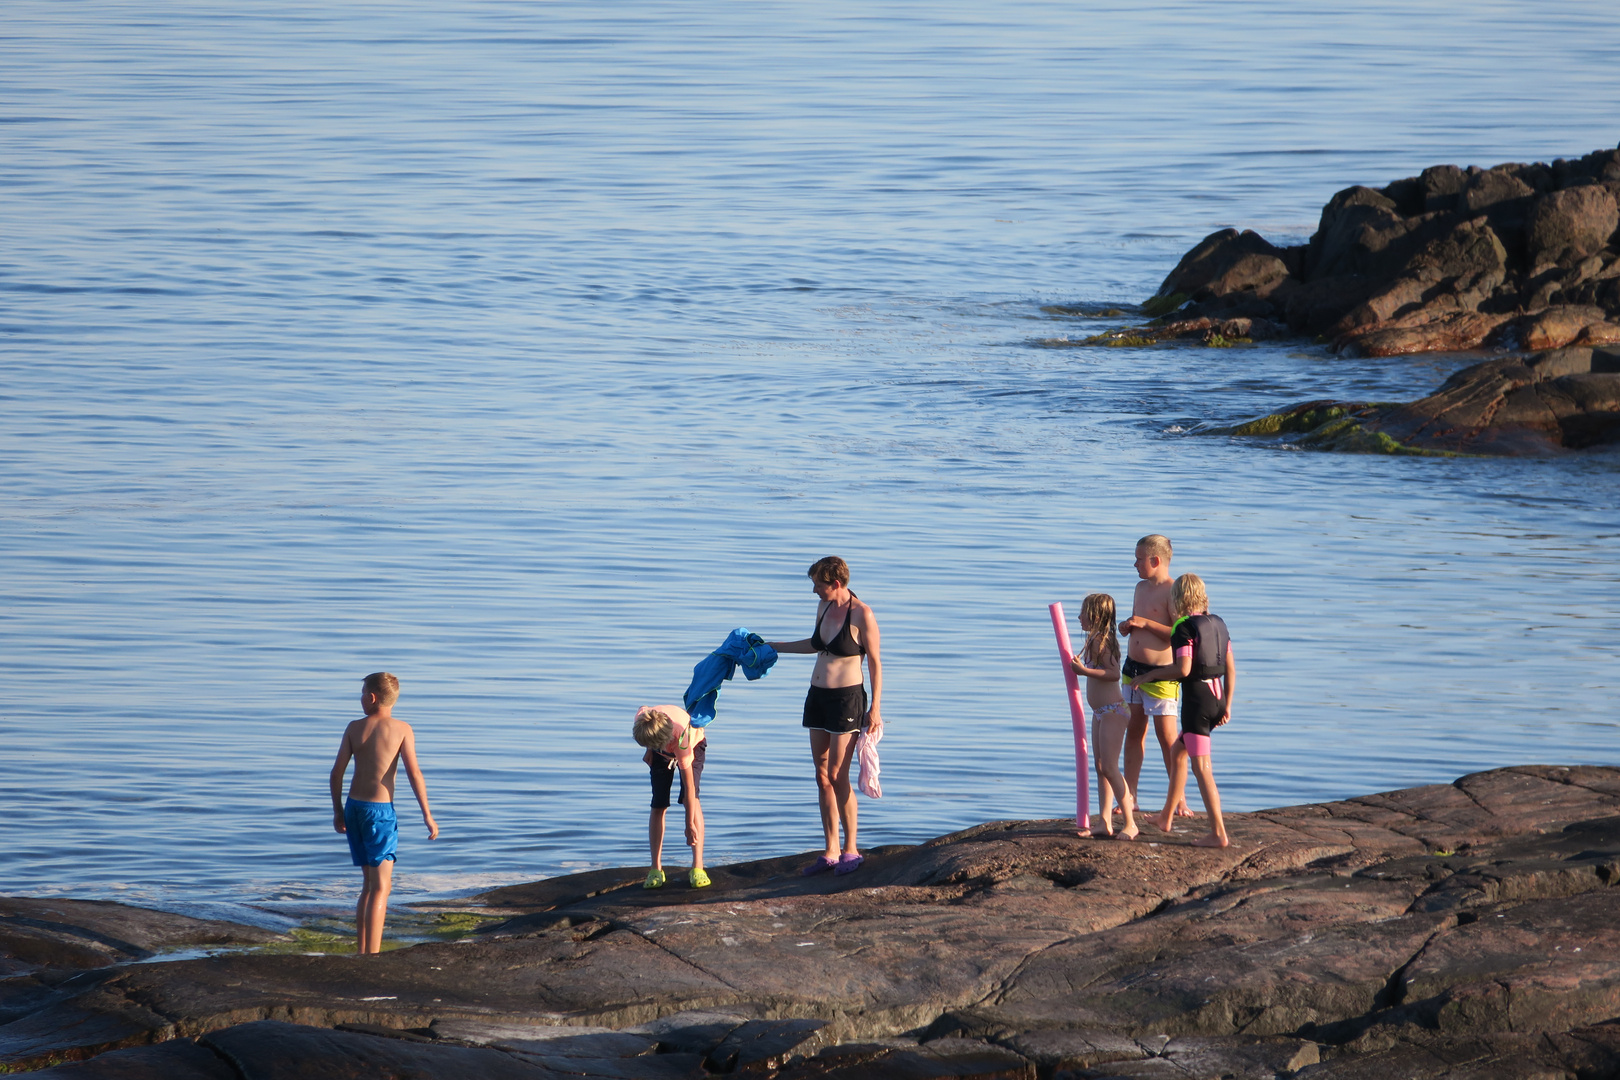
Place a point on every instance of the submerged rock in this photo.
(1393, 934)
(1543, 403)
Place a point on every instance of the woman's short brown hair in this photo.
(829, 571)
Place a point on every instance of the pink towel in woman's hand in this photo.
(867, 759)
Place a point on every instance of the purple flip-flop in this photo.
(820, 866)
(848, 863)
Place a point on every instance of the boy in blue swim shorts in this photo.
(377, 743)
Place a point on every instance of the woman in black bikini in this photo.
(836, 707)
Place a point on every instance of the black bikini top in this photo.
(843, 642)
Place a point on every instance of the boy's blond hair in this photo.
(654, 727)
(1154, 544)
(1187, 595)
(384, 685)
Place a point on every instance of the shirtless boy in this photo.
(1148, 629)
(378, 743)
(673, 745)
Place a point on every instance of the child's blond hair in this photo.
(1155, 544)
(654, 727)
(384, 685)
(1098, 610)
(1187, 595)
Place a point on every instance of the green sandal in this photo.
(655, 880)
(697, 878)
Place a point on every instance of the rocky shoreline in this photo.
(1457, 930)
(1520, 259)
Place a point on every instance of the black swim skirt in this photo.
(839, 710)
(665, 770)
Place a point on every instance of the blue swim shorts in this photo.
(373, 831)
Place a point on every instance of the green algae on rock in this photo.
(405, 927)
(1296, 421)
(1524, 405)
(1085, 311)
(1158, 306)
(1121, 339)
(1334, 426)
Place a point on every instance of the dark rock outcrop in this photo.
(1516, 255)
(1534, 405)
(1471, 926)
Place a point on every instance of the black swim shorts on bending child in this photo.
(838, 710)
(664, 770)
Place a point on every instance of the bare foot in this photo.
(1211, 841)
(1083, 833)
(1127, 834)
(1183, 810)
(1165, 821)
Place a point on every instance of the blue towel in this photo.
(741, 649)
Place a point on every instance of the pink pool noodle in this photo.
(1077, 713)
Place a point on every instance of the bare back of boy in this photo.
(377, 744)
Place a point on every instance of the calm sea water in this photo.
(525, 349)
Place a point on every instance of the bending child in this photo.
(377, 743)
(1208, 673)
(673, 745)
(1098, 661)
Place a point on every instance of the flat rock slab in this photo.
(1071, 1048)
(545, 978)
(691, 1031)
(1354, 929)
(559, 1041)
(270, 1050)
(1546, 965)
(79, 1028)
(963, 1058)
(657, 1067)
(763, 1045)
(177, 1059)
(80, 934)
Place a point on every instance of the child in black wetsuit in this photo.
(1204, 665)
